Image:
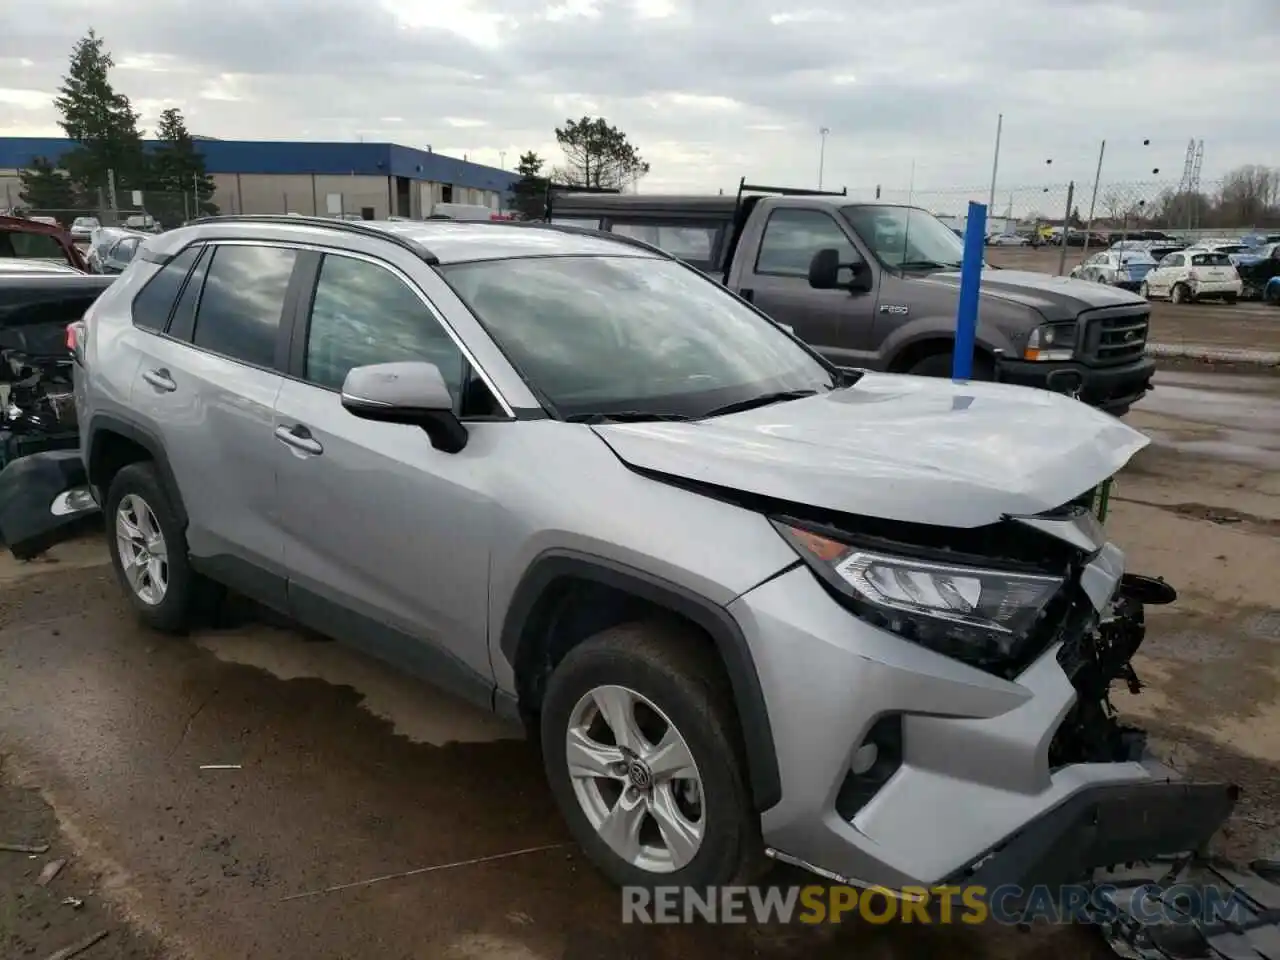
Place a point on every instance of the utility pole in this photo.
(1097, 177)
(111, 196)
(1066, 228)
(995, 165)
(822, 152)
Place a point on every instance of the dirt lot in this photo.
(342, 771)
(1253, 326)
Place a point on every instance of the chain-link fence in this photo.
(1114, 208)
(139, 209)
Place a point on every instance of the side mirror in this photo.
(409, 392)
(824, 272)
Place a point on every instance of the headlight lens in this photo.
(1051, 341)
(975, 614)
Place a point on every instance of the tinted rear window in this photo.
(1210, 260)
(152, 305)
(242, 301)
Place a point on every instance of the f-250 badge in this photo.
(893, 309)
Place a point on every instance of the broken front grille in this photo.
(1116, 336)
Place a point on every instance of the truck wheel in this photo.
(149, 551)
(939, 365)
(641, 748)
(1181, 293)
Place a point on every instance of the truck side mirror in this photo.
(824, 272)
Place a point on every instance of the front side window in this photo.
(792, 237)
(905, 237)
(242, 301)
(630, 334)
(364, 314)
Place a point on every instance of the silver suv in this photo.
(750, 604)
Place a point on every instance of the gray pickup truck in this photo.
(892, 303)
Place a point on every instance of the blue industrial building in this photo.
(268, 176)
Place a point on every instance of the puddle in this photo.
(414, 708)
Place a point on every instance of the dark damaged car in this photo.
(41, 477)
(890, 302)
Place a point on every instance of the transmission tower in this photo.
(1189, 186)
(1184, 185)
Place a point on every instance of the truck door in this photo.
(773, 273)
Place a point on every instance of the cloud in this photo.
(709, 90)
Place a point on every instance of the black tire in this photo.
(186, 592)
(1271, 294)
(667, 664)
(939, 365)
(1230, 299)
(1180, 293)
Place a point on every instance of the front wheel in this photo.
(643, 756)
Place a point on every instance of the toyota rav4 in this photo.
(750, 604)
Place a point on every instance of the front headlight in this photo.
(1051, 341)
(975, 614)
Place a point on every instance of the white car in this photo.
(1193, 275)
(1008, 240)
(82, 227)
(1126, 269)
(48, 221)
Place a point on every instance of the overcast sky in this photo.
(709, 90)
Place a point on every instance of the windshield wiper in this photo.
(625, 416)
(927, 265)
(761, 401)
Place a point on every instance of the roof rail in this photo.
(744, 187)
(582, 232)
(331, 223)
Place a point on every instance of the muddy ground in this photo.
(1245, 325)
(341, 771)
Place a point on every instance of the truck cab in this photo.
(893, 305)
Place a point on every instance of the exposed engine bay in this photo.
(37, 404)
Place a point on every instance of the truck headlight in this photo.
(976, 614)
(1051, 341)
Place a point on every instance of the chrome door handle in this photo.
(299, 438)
(161, 380)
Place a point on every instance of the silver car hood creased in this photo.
(897, 447)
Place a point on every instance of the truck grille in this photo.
(1113, 338)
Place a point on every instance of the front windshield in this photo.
(905, 236)
(600, 335)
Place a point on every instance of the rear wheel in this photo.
(642, 752)
(149, 551)
(1230, 299)
(1181, 293)
(940, 365)
(1144, 291)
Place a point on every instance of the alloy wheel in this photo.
(144, 556)
(635, 779)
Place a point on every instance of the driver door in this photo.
(835, 322)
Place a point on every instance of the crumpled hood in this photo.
(898, 447)
(1057, 298)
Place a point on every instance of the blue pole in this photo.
(975, 235)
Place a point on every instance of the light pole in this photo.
(822, 151)
(502, 159)
(995, 165)
(1097, 180)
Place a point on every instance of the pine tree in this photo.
(178, 172)
(100, 120)
(528, 194)
(47, 190)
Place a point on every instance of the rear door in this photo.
(776, 279)
(207, 383)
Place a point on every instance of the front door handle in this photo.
(161, 380)
(300, 438)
